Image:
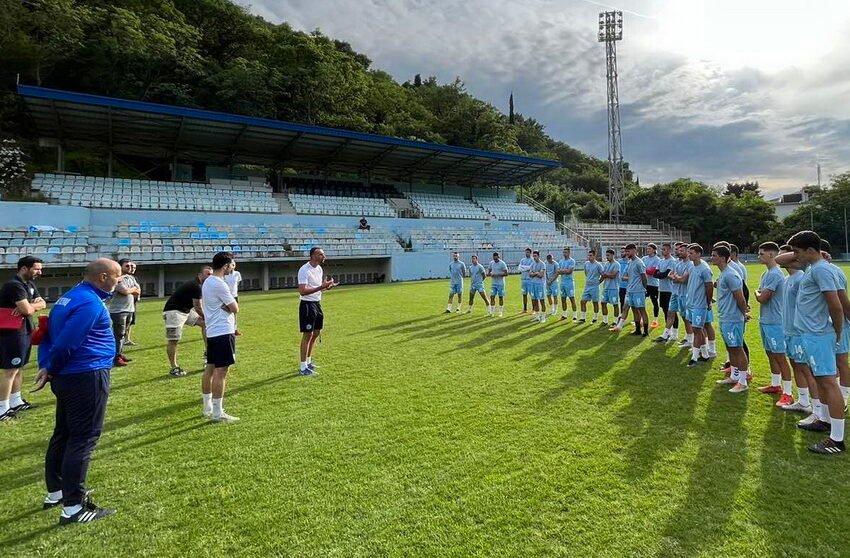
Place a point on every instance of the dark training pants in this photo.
(652, 293)
(80, 408)
(664, 298)
(622, 298)
(120, 323)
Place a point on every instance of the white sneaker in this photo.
(224, 417)
(712, 354)
(808, 420)
(738, 388)
(797, 407)
(207, 413)
(502, 314)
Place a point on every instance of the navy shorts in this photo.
(310, 316)
(221, 350)
(14, 351)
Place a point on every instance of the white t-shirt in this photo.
(216, 293)
(233, 281)
(312, 277)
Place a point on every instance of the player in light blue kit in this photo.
(624, 303)
(566, 269)
(552, 284)
(679, 299)
(536, 279)
(636, 290)
(523, 267)
(806, 387)
(610, 290)
(593, 275)
(700, 294)
(497, 270)
(770, 295)
(820, 319)
(733, 316)
(843, 346)
(476, 283)
(650, 262)
(665, 268)
(457, 271)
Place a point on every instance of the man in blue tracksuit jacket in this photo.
(75, 356)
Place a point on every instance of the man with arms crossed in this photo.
(536, 277)
(476, 283)
(220, 309)
(593, 275)
(311, 283)
(497, 270)
(681, 273)
(802, 375)
(457, 271)
(566, 269)
(523, 267)
(610, 292)
(122, 306)
(624, 284)
(552, 284)
(23, 299)
(650, 261)
(733, 316)
(636, 290)
(128, 341)
(665, 268)
(700, 293)
(183, 308)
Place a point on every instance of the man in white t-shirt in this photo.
(233, 280)
(311, 283)
(220, 310)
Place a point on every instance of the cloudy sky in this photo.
(716, 90)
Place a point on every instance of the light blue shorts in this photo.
(794, 349)
(455, 288)
(535, 291)
(525, 286)
(476, 289)
(636, 300)
(568, 290)
(497, 290)
(699, 317)
(819, 353)
(552, 290)
(673, 306)
(683, 306)
(772, 338)
(733, 333)
(843, 346)
(611, 296)
(590, 294)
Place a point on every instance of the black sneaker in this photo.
(636, 333)
(828, 446)
(89, 512)
(817, 426)
(447, 312)
(659, 339)
(177, 372)
(581, 321)
(8, 416)
(25, 406)
(703, 359)
(692, 363)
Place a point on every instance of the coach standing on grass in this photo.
(311, 283)
(75, 356)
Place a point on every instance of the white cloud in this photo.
(719, 90)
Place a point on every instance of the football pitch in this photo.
(434, 435)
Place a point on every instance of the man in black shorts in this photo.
(183, 308)
(21, 300)
(220, 309)
(311, 283)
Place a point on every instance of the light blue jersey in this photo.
(612, 282)
(683, 267)
(636, 268)
(496, 270)
(650, 261)
(666, 285)
(457, 270)
(727, 283)
(537, 267)
(476, 276)
(741, 269)
(551, 273)
(593, 273)
(812, 312)
(840, 278)
(697, 278)
(567, 263)
(624, 265)
(525, 262)
(789, 302)
(771, 311)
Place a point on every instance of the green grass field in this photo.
(434, 435)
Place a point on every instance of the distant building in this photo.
(787, 203)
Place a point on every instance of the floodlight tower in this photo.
(611, 31)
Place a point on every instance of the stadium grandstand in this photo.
(266, 190)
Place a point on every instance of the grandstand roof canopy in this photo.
(162, 131)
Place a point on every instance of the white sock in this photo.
(303, 365)
(501, 310)
(836, 429)
(712, 346)
(565, 314)
(674, 334)
(605, 319)
(704, 350)
(742, 377)
(218, 407)
(206, 400)
(845, 392)
(15, 399)
(309, 360)
(489, 309)
(803, 394)
(694, 353)
(775, 380)
(786, 387)
(596, 316)
(575, 315)
(449, 306)
(735, 374)
(824, 412)
(666, 334)
(68, 511)
(816, 406)
(583, 315)
(4, 406)
(54, 496)
(690, 338)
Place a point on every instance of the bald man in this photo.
(75, 356)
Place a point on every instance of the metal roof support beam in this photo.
(287, 148)
(422, 161)
(179, 136)
(333, 154)
(234, 150)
